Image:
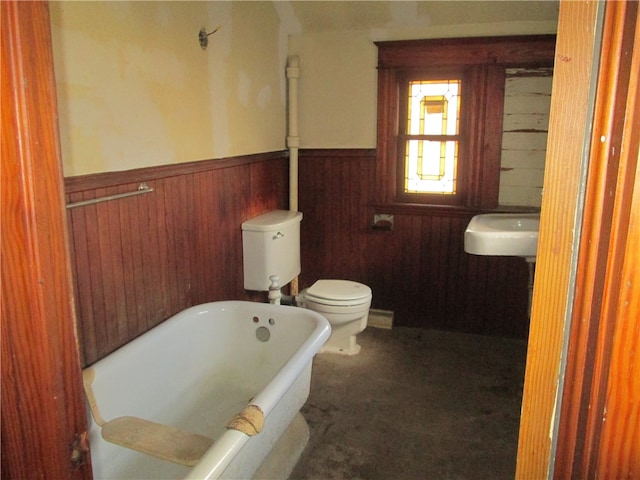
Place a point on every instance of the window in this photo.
(431, 136)
(440, 106)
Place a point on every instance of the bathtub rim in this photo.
(228, 444)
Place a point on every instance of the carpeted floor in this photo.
(415, 404)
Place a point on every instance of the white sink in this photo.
(510, 234)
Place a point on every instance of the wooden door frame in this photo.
(44, 422)
(577, 312)
(597, 314)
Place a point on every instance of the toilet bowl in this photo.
(346, 305)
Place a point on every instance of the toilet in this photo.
(346, 305)
(271, 248)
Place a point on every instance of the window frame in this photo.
(404, 78)
(481, 63)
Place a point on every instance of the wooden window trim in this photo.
(404, 77)
(484, 61)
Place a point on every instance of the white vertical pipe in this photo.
(293, 140)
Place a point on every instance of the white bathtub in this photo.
(195, 371)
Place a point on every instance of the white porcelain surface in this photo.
(198, 369)
(505, 234)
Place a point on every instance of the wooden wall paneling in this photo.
(330, 224)
(181, 245)
(123, 262)
(139, 260)
(205, 236)
(80, 258)
(91, 182)
(389, 258)
(387, 108)
(411, 255)
(102, 262)
(419, 269)
(455, 270)
(493, 302)
(189, 230)
(492, 141)
(321, 224)
(198, 249)
(148, 232)
(439, 250)
(516, 296)
(361, 221)
(143, 227)
(236, 182)
(119, 300)
(452, 272)
(111, 262)
(121, 221)
(472, 289)
(429, 265)
(189, 227)
(203, 245)
(378, 271)
(449, 274)
(170, 197)
(473, 285)
(156, 252)
(132, 261)
(96, 278)
(269, 184)
(109, 258)
(424, 279)
(357, 214)
(401, 251)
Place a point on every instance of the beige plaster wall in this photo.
(338, 83)
(135, 89)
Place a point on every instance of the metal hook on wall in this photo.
(203, 36)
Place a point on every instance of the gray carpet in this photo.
(415, 404)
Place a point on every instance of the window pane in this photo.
(431, 166)
(433, 107)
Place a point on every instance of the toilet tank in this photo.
(271, 246)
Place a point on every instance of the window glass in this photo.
(431, 144)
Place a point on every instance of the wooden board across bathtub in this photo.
(161, 441)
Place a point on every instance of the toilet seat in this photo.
(338, 293)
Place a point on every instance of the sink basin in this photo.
(510, 234)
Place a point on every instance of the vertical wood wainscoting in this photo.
(419, 269)
(138, 260)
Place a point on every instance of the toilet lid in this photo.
(338, 290)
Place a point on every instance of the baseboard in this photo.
(380, 319)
